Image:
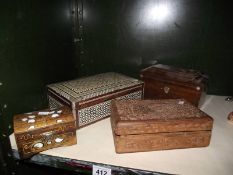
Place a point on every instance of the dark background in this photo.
(49, 41)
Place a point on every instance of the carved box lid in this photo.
(37, 120)
(156, 116)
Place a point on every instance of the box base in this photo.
(161, 141)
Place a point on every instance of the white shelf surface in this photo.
(95, 144)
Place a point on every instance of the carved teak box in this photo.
(147, 125)
(41, 130)
(167, 82)
(90, 97)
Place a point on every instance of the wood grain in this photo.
(166, 82)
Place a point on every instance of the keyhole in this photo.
(166, 89)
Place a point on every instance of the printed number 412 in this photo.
(97, 170)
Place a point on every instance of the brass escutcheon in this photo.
(166, 89)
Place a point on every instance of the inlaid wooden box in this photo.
(167, 82)
(90, 97)
(148, 125)
(42, 130)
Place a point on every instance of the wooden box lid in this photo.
(86, 88)
(186, 77)
(157, 116)
(41, 119)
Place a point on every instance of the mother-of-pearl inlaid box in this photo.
(42, 130)
(90, 97)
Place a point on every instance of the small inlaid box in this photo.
(42, 130)
(148, 125)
